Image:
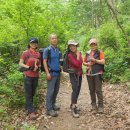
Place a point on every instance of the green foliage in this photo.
(11, 88)
(117, 58)
(79, 20)
(12, 98)
(126, 75)
(107, 36)
(3, 113)
(25, 126)
(14, 78)
(28, 127)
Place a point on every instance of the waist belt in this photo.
(57, 71)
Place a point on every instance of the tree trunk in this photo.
(118, 23)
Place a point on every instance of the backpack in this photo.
(41, 51)
(66, 63)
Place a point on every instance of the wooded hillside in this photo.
(106, 20)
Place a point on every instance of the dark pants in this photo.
(95, 87)
(76, 86)
(53, 86)
(30, 84)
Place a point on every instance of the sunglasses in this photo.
(93, 44)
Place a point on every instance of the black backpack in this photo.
(66, 63)
(41, 51)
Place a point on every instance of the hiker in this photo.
(94, 61)
(52, 70)
(75, 63)
(30, 60)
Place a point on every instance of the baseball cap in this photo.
(72, 42)
(33, 40)
(93, 40)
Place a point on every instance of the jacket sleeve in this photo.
(24, 55)
(85, 58)
(74, 62)
(102, 55)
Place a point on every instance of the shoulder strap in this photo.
(97, 54)
(88, 52)
(49, 48)
(49, 53)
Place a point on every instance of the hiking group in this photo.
(72, 63)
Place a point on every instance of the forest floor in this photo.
(116, 111)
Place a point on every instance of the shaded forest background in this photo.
(106, 20)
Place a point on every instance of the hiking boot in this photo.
(100, 109)
(94, 107)
(75, 112)
(32, 116)
(52, 113)
(56, 108)
(71, 109)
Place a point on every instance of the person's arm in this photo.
(22, 60)
(86, 63)
(75, 62)
(100, 61)
(45, 66)
(21, 64)
(45, 58)
(48, 76)
(79, 57)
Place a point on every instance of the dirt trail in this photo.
(116, 113)
(65, 121)
(115, 117)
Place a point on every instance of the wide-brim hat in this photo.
(72, 42)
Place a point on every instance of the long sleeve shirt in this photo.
(75, 64)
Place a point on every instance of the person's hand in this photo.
(88, 64)
(35, 68)
(31, 68)
(48, 76)
(78, 55)
(92, 59)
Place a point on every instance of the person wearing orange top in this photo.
(94, 61)
(30, 60)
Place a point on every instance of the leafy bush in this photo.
(11, 88)
(116, 55)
